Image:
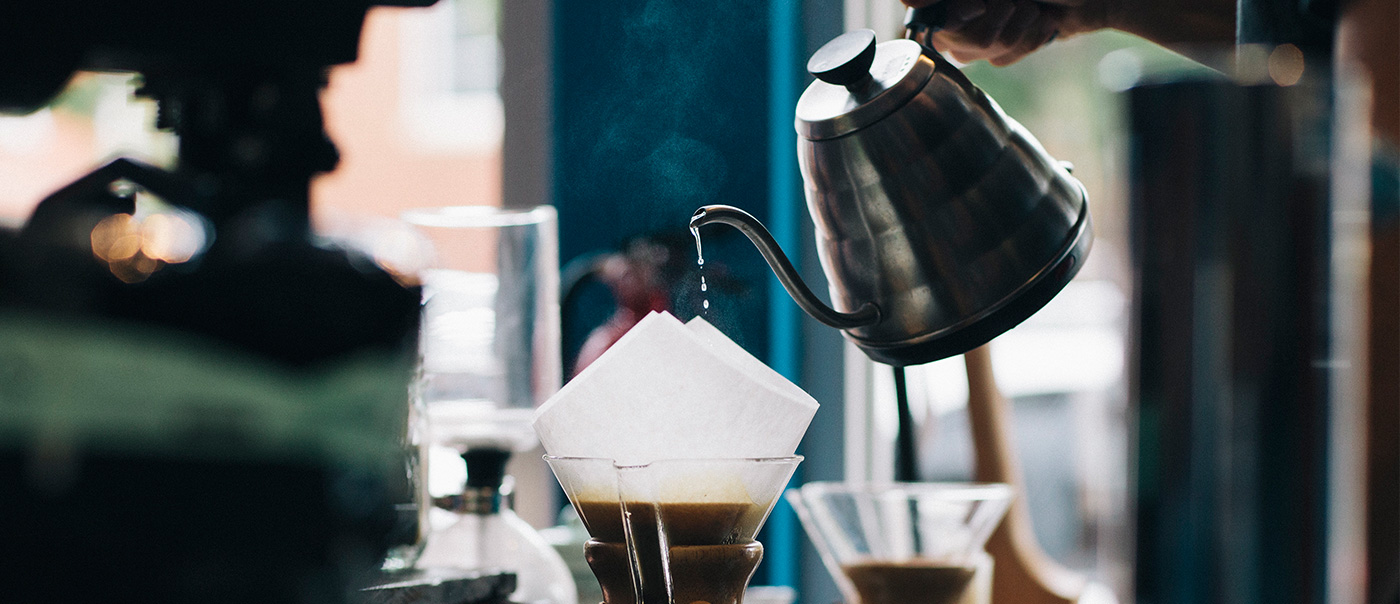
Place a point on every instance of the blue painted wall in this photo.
(661, 106)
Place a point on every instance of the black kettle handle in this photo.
(921, 23)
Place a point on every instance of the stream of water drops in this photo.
(700, 260)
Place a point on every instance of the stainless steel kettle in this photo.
(941, 222)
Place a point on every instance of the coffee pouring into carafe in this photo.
(940, 221)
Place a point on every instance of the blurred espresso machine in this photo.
(199, 404)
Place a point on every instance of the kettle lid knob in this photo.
(845, 60)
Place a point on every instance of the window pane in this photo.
(417, 118)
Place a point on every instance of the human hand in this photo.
(1005, 31)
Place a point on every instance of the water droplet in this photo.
(704, 287)
(706, 304)
(699, 253)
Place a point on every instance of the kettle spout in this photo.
(867, 314)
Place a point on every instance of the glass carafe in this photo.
(673, 531)
(489, 536)
(904, 542)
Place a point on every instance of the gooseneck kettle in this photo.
(940, 221)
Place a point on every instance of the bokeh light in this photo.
(1286, 65)
(135, 248)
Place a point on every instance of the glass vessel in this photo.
(490, 336)
(490, 536)
(673, 531)
(489, 353)
(904, 542)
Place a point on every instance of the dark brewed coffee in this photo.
(912, 582)
(708, 523)
(711, 554)
(610, 567)
(713, 574)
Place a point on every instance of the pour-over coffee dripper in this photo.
(903, 542)
(673, 531)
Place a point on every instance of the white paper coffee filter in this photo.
(667, 390)
(753, 368)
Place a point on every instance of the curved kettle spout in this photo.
(867, 314)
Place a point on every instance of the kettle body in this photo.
(933, 204)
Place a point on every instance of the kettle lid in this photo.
(859, 82)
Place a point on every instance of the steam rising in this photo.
(663, 99)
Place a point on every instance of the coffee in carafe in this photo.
(704, 541)
(904, 543)
(677, 531)
(707, 556)
(919, 581)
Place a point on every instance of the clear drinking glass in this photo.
(489, 347)
(904, 542)
(490, 336)
(673, 531)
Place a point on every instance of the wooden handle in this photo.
(1024, 573)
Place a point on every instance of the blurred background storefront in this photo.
(626, 117)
